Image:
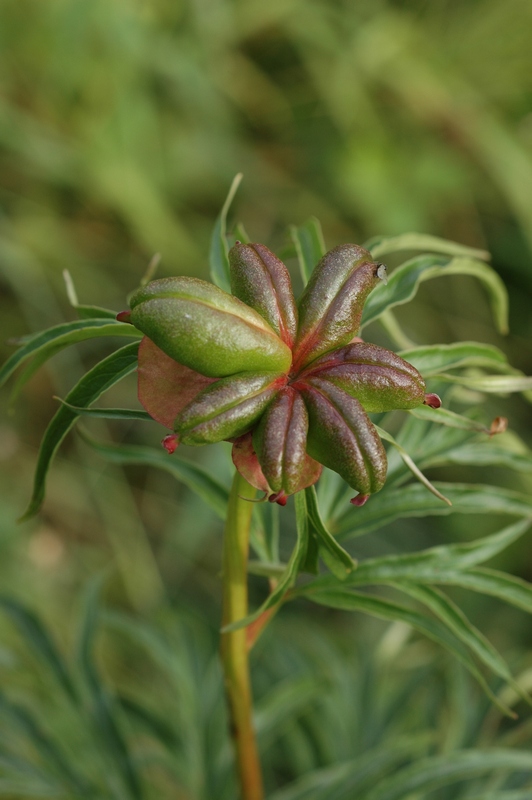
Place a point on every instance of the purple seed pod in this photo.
(342, 437)
(331, 306)
(280, 441)
(261, 280)
(378, 378)
(227, 408)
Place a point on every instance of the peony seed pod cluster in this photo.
(289, 384)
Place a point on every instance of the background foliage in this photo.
(121, 128)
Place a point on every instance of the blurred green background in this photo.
(122, 125)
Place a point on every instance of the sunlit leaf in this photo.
(380, 246)
(404, 282)
(49, 342)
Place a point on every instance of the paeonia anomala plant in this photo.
(291, 387)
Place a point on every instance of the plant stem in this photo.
(234, 649)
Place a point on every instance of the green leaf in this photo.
(428, 565)
(383, 245)
(349, 600)
(22, 719)
(36, 636)
(457, 622)
(292, 570)
(104, 707)
(433, 359)
(491, 384)
(443, 416)
(412, 466)
(336, 558)
(404, 282)
(431, 773)
(49, 342)
(197, 479)
(100, 378)
(512, 590)
(109, 413)
(486, 453)
(309, 244)
(219, 252)
(348, 778)
(414, 501)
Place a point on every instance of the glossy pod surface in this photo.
(206, 329)
(227, 408)
(378, 378)
(342, 437)
(261, 280)
(331, 306)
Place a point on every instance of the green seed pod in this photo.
(280, 444)
(227, 408)
(262, 281)
(342, 437)
(331, 306)
(380, 379)
(206, 329)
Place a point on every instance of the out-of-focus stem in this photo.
(234, 647)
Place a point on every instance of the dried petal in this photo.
(380, 379)
(261, 280)
(342, 437)
(207, 329)
(164, 386)
(331, 306)
(246, 461)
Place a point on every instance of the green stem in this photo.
(234, 649)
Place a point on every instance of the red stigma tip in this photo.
(278, 497)
(124, 316)
(170, 443)
(359, 500)
(432, 400)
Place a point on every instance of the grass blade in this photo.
(383, 245)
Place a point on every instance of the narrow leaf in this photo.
(491, 384)
(108, 413)
(413, 501)
(51, 341)
(337, 559)
(488, 453)
(443, 416)
(432, 565)
(100, 378)
(457, 622)
(405, 280)
(433, 359)
(197, 479)
(292, 568)
(309, 244)
(383, 245)
(36, 636)
(219, 252)
(104, 706)
(514, 591)
(348, 600)
(433, 772)
(412, 466)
